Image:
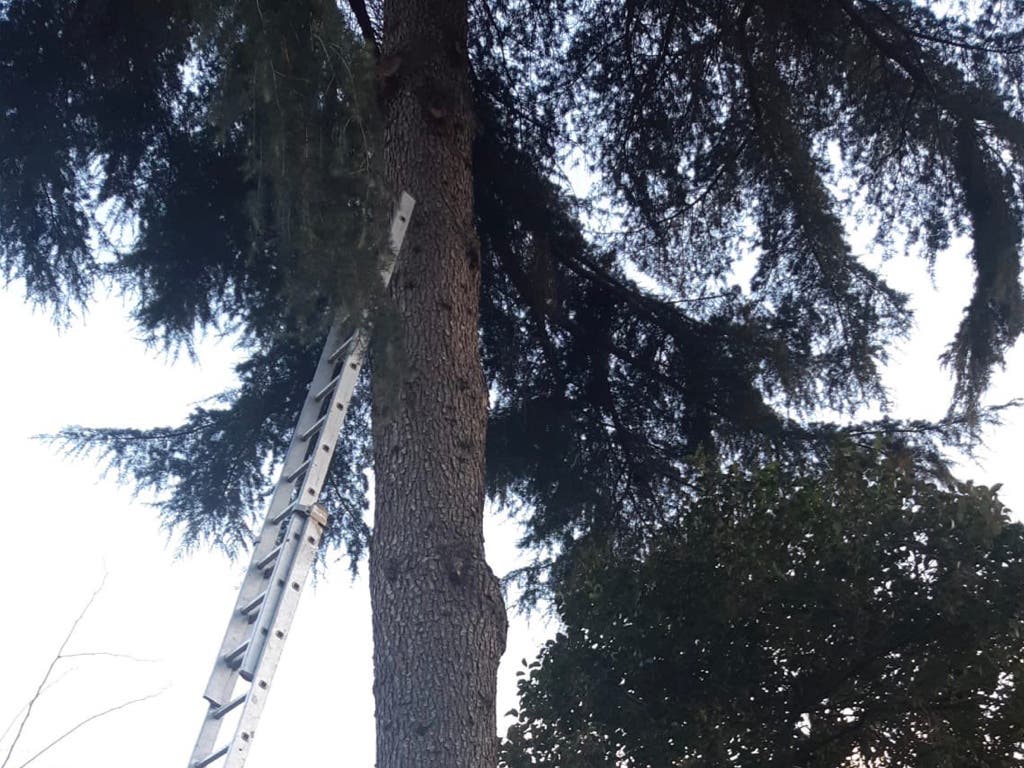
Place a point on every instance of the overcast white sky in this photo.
(64, 527)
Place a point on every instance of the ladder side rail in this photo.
(312, 484)
(276, 586)
(308, 533)
(327, 439)
(211, 726)
(222, 680)
(335, 419)
(396, 235)
(292, 503)
(305, 531)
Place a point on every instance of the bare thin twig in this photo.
(109, 655)
(49, 671)
(21, 711)
(23, 716)
(88, 720)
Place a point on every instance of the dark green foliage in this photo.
(995, 316)
(854, 611)
(185, 212)
(246, 170)
(238, 142)
(296, 85)
(77, 113)
(713, 126)
(213, 472)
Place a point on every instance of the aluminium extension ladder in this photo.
(287, 545)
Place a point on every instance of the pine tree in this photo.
(229, 165)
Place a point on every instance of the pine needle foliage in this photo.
(238, 139)
(211, 474)
(715, 129)
(297, 86)
(239, 142)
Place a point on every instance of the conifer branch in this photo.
(963, 102)
(939, 39)
(358, 8)
(884, 46)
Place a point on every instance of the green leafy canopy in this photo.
(853, 612)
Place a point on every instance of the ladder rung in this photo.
(299, 470)
(327, 389)
(211, 757)
(344, 345)
(284, 512)
(292, 507)
(253, 604)
(314, 429)
(236, 655)
(218, 712)
(268, 558)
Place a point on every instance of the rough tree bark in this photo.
(438, 615)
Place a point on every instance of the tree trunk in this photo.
(438, 615)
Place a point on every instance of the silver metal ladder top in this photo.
(287, 545)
